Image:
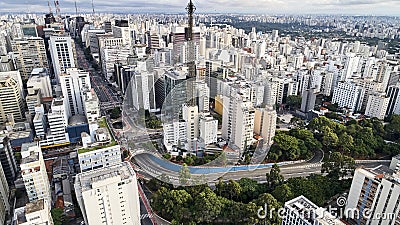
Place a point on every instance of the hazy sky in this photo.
(355, 7)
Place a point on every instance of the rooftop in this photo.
(34, 206)
(85, 180)
(33, 157)
(77, 120)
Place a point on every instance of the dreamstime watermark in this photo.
(330, 213)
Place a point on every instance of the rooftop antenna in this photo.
(93, 6)
(50, 11)
(191, 54)
(57, 5)
(76, 9)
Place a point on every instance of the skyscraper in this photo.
(4, 196)
(11, 102)
(34, 174)
(377, 191)
(29, 53)
(265, 123)
(109, 195)
(377, 105)
(238, 122)
(73, 81)
(58, 120)
(62, 51)
(7, 159)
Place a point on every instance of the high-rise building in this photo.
(301, 211)
(11, 101)
(73, 81)
(377, 105)
(109, 195)
(208, 127)
(112, 55)
(308, 99)
(7, 159)
(92, 105)
(33, 213)
(63, 56)
(238, 122)
(6, 63)
(190, 115)
(91, 159)
(4, 197)
(348, 94)
(40, 80)
(179, 39)
(174, 134)
(58, 121)
(142, 87)
(393, 93)
(29, 53)
(175, 91)
(265, 123)
(375, 193)
(16, 75)
(40, 124)
(34, 174)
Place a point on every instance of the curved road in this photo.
(157, 167)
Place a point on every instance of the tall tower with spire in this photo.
(191, 56)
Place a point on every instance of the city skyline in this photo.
(338, 7)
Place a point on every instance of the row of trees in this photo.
(363, 139)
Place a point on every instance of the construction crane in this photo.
(191, 56)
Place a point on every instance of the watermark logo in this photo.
(341, 201)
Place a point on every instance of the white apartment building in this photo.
(282, 88)
(348, 94)
(174, 133)
(142, 87)
(58, 121)
(203, 93)
(73, 81)
(11, 101)
(62, 50)
(112, 55)
(369, 86)
(208, 127)
(109, 195)
(265, 123)
(124, 33)
(29, 53)
(33, 213)
(39, 122)
(40, 80)
(190, 115)
(376, 190)
(238, 122)
(91, 159)
(33, 100)
(16, 75)
(34, 174)
(92, 105)
(377, 105)
(301, 211)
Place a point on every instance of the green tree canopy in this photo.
(338, 165)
